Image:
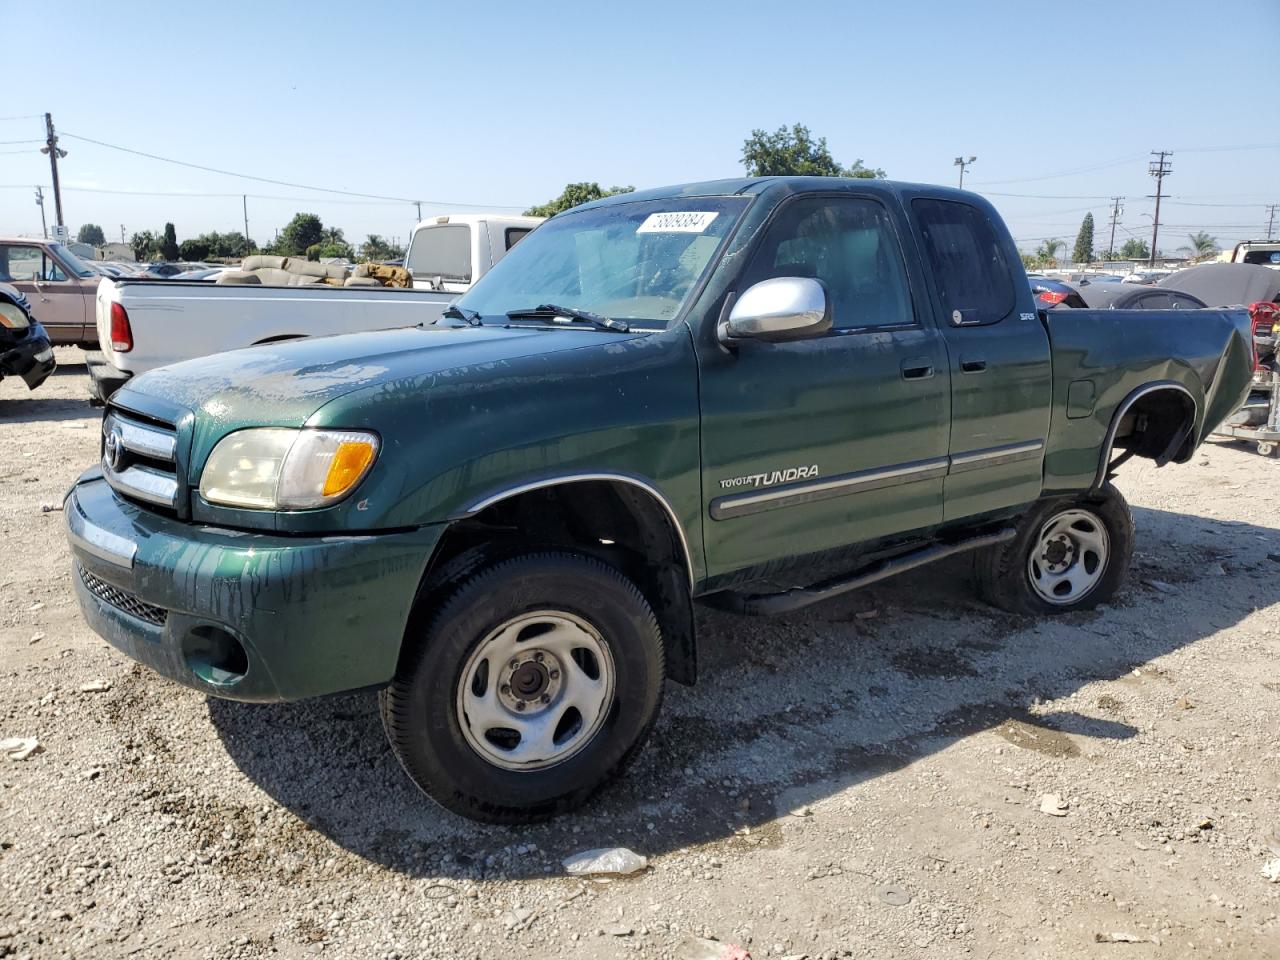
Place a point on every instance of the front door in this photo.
(816, 444)
(1001, 374)
(57, 298)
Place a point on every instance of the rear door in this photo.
(57, 300)
(998, 355)
(817, 444)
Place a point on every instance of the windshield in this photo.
(628, 261)
(73, 263)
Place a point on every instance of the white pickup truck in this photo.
(143, 324)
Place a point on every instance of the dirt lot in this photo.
(864, 779)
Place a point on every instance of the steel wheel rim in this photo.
(535, 691)
(1069, 557)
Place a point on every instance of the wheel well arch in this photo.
(617, 519)
(1156, 421)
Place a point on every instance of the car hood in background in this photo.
(1226, 284)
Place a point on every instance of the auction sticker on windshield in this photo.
(685, 221)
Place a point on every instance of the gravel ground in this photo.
(864, 779)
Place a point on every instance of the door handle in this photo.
(917, 368)
(972, 366)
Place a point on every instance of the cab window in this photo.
(849, 245)
(975, 281)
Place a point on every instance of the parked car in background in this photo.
(1264, 253)
(1054, 293)
(1118, 296)
(59, 286)
(203, 273)
(25, 350)
(449, 253)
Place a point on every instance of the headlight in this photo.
(12, 317)
(273, 468)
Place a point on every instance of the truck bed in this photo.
(180, 320)
(1102, 357)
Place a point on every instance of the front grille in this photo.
(139, 458)
(123, 600)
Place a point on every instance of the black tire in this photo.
(1005, 574)
(420, 709)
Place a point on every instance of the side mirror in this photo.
(784, 308)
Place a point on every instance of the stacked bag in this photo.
(297, 272)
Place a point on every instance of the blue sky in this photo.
(500, 104)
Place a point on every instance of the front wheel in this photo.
(530, 688)
(1068, 554)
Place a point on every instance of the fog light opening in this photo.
(215, 656)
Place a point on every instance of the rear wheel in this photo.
(1069, 554)
(529, 688)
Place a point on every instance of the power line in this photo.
(1105, 165)
(278, 183)
(9, 143)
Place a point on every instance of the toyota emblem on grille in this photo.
(113, 449)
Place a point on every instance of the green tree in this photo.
(91, 234)
(196, 248)
(1048, 252)
(1083, 250)
(1030, 261)
(794, 152)
(376, 248)
(169, 243)
(144, 245)
(302, 232)
(573, 195)
(1203, 245)
(1134, 249)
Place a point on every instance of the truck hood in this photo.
(283, 384)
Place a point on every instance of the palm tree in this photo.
(1202, 245)
(1048, 251)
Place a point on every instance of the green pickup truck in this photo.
(751, 393)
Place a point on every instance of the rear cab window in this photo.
(515, 234)
(443, 251)
(972, 273)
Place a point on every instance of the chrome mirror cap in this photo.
(784, 308)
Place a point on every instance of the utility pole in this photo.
(122, 239)
(55, 153)
(418, 204)
(1271, 219)
(244, 202)
(1158, 168)
(1116, 210)
(44, 226)
(962, 163)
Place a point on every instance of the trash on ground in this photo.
(95, 686)
(1271, 870)
(1162, 586)
(1053, 805)
(617, 860)
(867, 614)
(697, 948)
(893, 896)
(1123, 938)
(1184, 703)
(20, 748)
(805, 811)
(618, 930)
(50, 507)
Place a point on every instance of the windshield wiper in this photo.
(455, 312)
(571, 313)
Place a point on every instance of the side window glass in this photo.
(850, 246)
(18, 264)
(52, 271)
(515, 234)
(975, 281)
